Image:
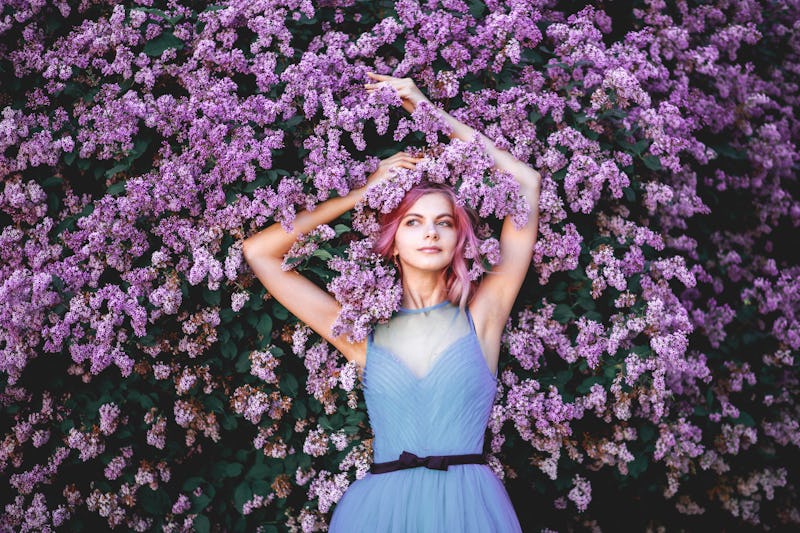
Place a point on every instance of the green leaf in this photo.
(577, 274)
(260, 181)
(299, 410)
(139, 147)
(728, 151)
(647, 433)
(228, 350)
(115, 169)
(586, 302)
(292, 122)
(264, 325)
(642, 350)
(199, 503)
(52, 181)
(116, 188)
(593, 315)
(229, 422)
(560, 174)
(630, 194)
(612, 113)
(155, 502)
(354, 417)
(314, 405)
(586, 384)
(292, 261)
(260, 486)
(227, 315)
(211, 297)
(322, 254)
(637, 466)
(652, 162)
(243, 363)
(147, 340)
(213, 403)
(279, 311)
(288, 385)
(159, 13)
(201, 524)
(325, 423)
(233, 470)
(563, 313)
(156, 47)
(745, 419)
(192, 483)
(476, 8)
(559, 292)
(258, 471)
(241, 494)
(145, 401)
(641, 146)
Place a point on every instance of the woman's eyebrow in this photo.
(420, 216)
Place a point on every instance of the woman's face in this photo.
(426, 237)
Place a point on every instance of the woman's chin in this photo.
(431, 266)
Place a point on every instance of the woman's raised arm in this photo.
(265, 250)
(498, 290)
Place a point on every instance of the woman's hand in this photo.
(406, 88)
(400, 159)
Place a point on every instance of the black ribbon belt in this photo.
(434, 462)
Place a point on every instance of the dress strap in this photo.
(469, 317)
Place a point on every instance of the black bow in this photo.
(434, 462)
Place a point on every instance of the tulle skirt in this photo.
(465, 498)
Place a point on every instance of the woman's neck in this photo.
(423, 290)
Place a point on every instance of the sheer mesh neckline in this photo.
(419, 337)
(423, 309)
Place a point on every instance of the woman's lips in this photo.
(430, 249)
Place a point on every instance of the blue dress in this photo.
(444, 412)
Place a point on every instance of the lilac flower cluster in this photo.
(140, 143)
(366, 288)
(307, 245)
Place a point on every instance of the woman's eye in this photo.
(411, 222)
(445, 223)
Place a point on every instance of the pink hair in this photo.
(460, 289)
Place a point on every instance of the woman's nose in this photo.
(432, 233)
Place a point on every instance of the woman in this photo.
(429, 374)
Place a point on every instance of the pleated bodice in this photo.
(441, 411)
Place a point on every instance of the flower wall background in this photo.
(649, 373)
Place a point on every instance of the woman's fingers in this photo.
(407, 157)
(382, 78)
(403, 154)
(400, 159)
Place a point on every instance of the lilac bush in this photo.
(648, 375)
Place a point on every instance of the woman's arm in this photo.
(498, 290)
(411, 96)
(265, 250)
